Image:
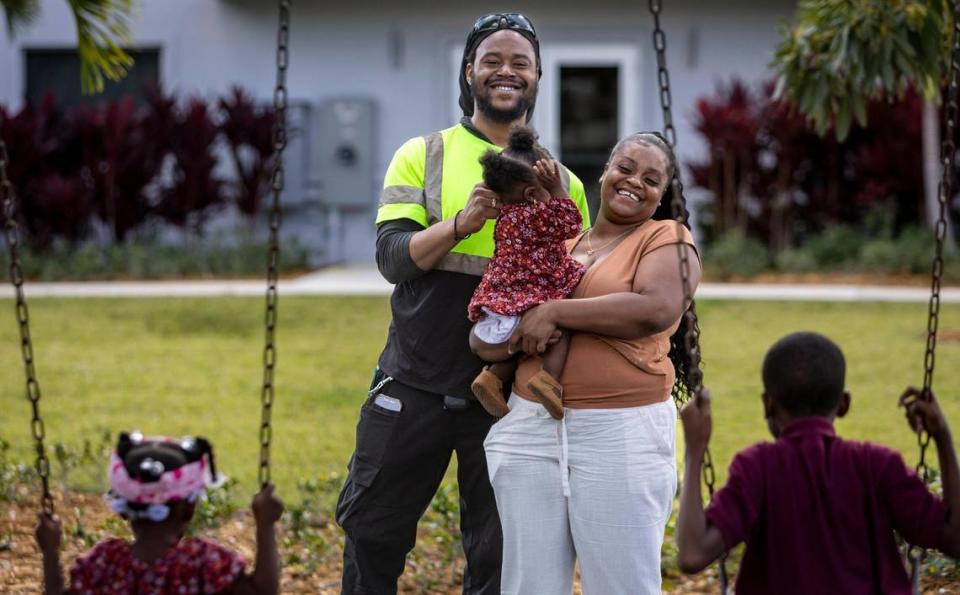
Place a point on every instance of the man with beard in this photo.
(434, 238)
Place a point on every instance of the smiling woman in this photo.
(598, 484)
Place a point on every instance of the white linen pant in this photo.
(597, 486)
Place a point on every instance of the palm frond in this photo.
(103, 29)
(19, 13)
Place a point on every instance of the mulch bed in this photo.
(86, 516)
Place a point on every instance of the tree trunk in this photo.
(780, 238)
(717, 189)
(931, 167)
(930, 133)
(743, 195)
(729, 191)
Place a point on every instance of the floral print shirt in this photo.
(530, 264)
(192, 566)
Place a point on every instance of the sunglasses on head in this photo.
(510, 20)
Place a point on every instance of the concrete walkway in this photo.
(367, 281)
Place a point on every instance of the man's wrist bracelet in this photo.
(456, 236)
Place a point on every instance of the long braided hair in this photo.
(678, 350)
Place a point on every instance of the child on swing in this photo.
(818, 513)
(530, 266)
(155, 484)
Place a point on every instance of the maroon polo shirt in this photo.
(819, 513)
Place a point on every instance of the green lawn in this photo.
(193, 366)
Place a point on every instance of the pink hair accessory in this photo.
(186, 482)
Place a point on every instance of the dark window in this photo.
(58, 71)
(589, 124)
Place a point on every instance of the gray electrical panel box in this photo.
(296, 163)
(343, 154)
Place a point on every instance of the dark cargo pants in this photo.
(396, 468)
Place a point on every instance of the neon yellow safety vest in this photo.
(430, 178)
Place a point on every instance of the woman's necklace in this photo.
(591, 250)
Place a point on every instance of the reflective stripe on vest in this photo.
(433, 178)
(402, 194)
(455, 262)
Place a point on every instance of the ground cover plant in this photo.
(206, 258)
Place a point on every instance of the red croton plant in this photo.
(127, 165)
(248, 130)
(770, 176)
(45, 169)
(193, 188)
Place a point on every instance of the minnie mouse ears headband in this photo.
(148, 473)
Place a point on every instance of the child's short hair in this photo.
(513, 165)
(804, 373)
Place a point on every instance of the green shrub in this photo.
(951, 267)
(151, 260)
(15, 476)
(880, 220)
(309, 521)
(910, 253)
(915, 247)
(842, 248)
(83, 468)
(879, 256)
(796, 260)
(214, 508)
(735, 255)
(837, 248)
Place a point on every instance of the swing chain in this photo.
(692, 338)
(692, 346)
(680, 214)
(948, 151)
(663, 75)
(945, 191)
(11, 233)
(273, 254)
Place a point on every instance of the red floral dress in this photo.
(530, 264)
(192, 566)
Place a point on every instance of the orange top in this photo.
(605, 372)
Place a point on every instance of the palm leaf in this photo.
(103, 29)
(19, 13)
(841, 53)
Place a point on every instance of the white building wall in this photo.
(399, 54)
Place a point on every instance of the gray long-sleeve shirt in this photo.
(428, 340)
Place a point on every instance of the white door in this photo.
(588, 100)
